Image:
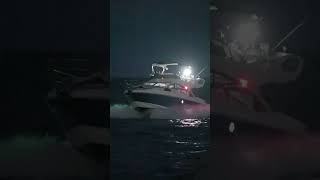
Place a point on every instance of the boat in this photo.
(241, 67)
(247, 133)
(243, 64)
(259, 67)
(91, 87)
(169, 85)
(244, 124)
(77, 93)
(78, 78)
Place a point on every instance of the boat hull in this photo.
(150, 99)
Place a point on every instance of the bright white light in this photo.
(187, 72)
(182, 101)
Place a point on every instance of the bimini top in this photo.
(159, 69)
(163, 72)
(172, 70)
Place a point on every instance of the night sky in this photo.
(143, 32)
(71, 25)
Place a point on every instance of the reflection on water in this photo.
(156, 149)
(188, 122)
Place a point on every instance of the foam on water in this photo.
(123, 111)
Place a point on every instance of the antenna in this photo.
(288, 35)
(201, 71)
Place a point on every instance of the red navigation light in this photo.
(186, 87)
(243, 83)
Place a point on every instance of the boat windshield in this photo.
(164, 69)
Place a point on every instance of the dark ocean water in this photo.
(155, 148)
